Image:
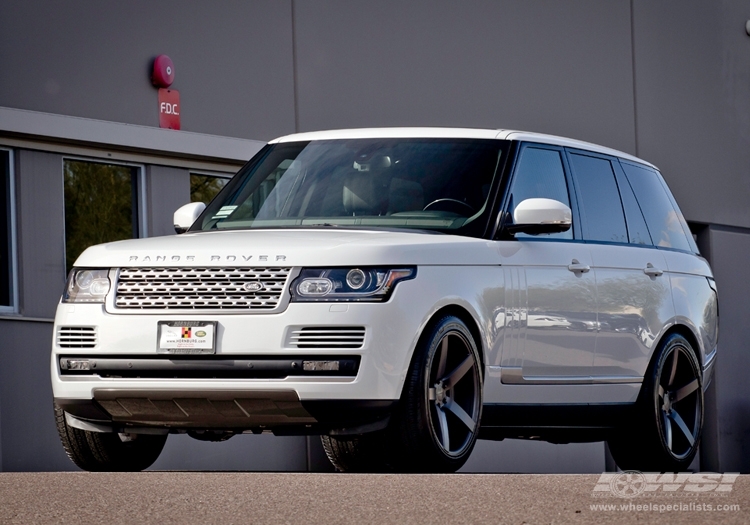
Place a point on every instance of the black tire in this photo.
(436, 424)
(664, 434)
(361, 453)
(108, 452)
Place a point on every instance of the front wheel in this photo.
(665, 432)
(359, 453)
(108, 452)
(437, 422)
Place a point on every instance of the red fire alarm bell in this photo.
(169, 108)
(163, 74)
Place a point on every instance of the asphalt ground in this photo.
(228, 498)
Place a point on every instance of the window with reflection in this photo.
(203, 188)
(101, 205)
(6, 232)
(665, 223)
(602, 215)
(540, 174)
(411, 183)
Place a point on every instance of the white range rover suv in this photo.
(401, 293)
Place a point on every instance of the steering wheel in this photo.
(451, 204)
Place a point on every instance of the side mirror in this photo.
(185, 216)
(535, 216)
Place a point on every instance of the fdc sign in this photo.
(169, 108)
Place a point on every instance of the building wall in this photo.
(692, 71)
(667, 80)
(729, 252)
(552, 67)
(233, 62)
(41, 231)
(29, 440)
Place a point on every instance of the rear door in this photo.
(633, 293)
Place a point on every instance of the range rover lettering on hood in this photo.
(211, 258)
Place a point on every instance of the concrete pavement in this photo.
(82, 498)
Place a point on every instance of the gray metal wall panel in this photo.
(730, 252)
(538, 457)
(692, 62)
(1, 428)
(555, 67)
(168, 189)
(41, 231)
(244, 452)
(29, 439)
(233, 62)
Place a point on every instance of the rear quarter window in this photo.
(665, 222)
(637, 229)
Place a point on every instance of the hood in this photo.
(329, 247)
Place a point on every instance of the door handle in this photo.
(652, 271)
(576, 267)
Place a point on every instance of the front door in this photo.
(553, 304)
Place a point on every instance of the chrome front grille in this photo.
(326, 337)
(76, 337)
(200, 288)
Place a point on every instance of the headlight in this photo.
(86, 286)
(348, 284)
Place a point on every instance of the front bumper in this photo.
(229, 389)
(225, 410)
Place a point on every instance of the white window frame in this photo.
(140, 193)
(14, 295)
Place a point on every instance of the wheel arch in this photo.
(685, 331)
(465, 316)
(679, 329)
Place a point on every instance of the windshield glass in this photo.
(440, 184)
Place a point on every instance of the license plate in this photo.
(186, 337)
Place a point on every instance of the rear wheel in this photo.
(665, 432)
(108, 452)
(437, 422)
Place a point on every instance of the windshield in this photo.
(440, 184)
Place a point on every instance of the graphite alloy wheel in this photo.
(437, 423)
(665, 433)
(108, 452)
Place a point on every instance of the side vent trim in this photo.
(76, 337)
(326, 336)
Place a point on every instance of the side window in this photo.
(680, 217)
(664, 222)
(7, 289)
(540, 174)
(637, 229)
(101, 205)
(203, 188)
(602, 217)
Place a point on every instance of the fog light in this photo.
(75, 364)
(315, 366)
